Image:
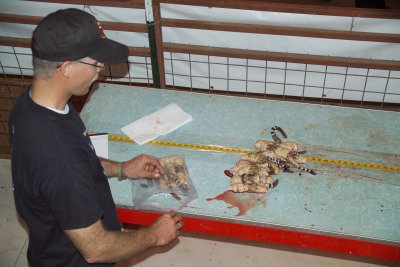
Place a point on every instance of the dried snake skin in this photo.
(175, 173)
(253, 172)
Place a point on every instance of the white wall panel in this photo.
(283, 44)
(101, 13)
(227, 73)
(254, 17)
(30, 8)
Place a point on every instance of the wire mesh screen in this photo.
(136, 71)
(17, 72)
(367, 88)
(343, 86)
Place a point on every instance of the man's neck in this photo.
(48, 94)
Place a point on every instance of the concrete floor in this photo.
(190, 249)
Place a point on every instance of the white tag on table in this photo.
(161, 122)
(100, 143)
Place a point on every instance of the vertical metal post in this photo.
(190, 72)
(172, 70)
(152, 43)
(247, 74)
(344, 84)
(323, 86)
(153, 52)
(304, 83)
(386, 87)
(227, 75)
(265, 78)
(209, 73)
(365, 88)
(284, 82)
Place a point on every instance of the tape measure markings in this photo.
(243, 151)
(353, 163)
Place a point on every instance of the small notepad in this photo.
(161, 122)
(100, 143)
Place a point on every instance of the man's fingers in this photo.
(148, 167)
(152, 164)
(177, 218)
(174, 216)
(179, 225)
(155, 162)
(152, 171)
(171, 214)
(178, 221)
(159, 167)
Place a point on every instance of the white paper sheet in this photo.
(161, 122)
(100, 143)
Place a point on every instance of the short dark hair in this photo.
(44, 68)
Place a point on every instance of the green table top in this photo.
(340, 200)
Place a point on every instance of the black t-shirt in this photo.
(59, 183)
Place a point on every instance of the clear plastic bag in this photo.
(172, 191)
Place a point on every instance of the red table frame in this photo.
(271, 235)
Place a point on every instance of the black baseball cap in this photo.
(72, 34)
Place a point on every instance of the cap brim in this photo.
(111, 52)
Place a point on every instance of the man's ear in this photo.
(65, 69)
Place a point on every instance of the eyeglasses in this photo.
(96, 64)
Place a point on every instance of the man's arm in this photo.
(109, 166)
(142, 166)
(97, 244)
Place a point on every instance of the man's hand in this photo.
(166, 228)
(99, 245)
(143, 166)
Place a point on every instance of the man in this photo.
(60, 186)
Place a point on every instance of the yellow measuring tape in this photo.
(243, 151)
